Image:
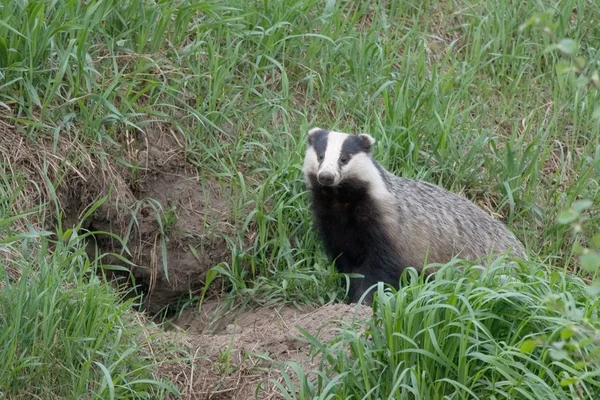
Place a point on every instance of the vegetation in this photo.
(65, 333)
(472, 95)
(467, 336)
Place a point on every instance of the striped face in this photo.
(332, 156)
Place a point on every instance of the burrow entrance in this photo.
(150, 197)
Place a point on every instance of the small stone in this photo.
(231, 329)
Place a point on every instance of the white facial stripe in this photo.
(335, 141)
(311, 163)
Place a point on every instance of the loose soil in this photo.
(163, 206)
(240, 356)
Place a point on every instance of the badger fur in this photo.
(375, 224)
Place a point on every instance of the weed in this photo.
(64, 332)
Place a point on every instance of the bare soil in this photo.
(240, 356)
(162, 206)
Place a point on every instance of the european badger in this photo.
(376, 224)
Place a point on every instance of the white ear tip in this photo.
(314, 130)
(369, 138)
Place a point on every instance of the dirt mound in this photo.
(236, 353)
(177, 214)
(173, 221)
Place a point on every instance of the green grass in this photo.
(453, 92)
(64, 333)
(500, 333)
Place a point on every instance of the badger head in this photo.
(333, 157)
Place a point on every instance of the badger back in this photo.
(444, 225)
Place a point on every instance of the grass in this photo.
(454, 92)
(65, 333)
(466, 336)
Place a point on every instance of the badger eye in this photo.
(320, 157)
(344, 159)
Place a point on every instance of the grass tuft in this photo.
(471, 95)
(66, 333)
(466, 335)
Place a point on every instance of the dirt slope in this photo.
(234, 354)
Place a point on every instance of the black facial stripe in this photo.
(319, 143)
(351, 146)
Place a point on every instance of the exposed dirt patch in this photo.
(160, 207)
(178, 213)
(234, 354)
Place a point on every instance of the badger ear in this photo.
(366, 141)
(312, 134)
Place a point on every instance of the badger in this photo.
(376, 224)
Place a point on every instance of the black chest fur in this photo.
(349, 223)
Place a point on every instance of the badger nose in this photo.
(326, 178)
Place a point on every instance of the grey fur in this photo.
(441, 225)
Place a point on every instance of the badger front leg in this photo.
(374, 270)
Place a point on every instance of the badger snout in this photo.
(326, 178)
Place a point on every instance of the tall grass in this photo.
(64, 333)
(454, 92)
(466, 336)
